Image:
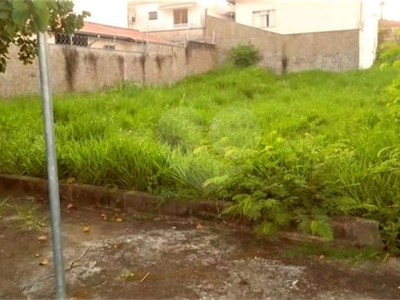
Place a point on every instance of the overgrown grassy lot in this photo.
(294, 148)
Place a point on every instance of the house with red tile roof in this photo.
(99, 36)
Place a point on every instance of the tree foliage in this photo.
(20, 20)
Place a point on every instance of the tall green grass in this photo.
(279, 147)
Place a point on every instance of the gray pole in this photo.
(51, 166)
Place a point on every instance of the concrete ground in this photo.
(116, 256)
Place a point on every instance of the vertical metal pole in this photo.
(51, 166)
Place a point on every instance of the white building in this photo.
(149, 15)
(304, 16)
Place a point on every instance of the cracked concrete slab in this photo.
(170, 258)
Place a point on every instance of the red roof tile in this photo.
(119, 32)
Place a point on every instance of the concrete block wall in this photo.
(80, 69)
(333, 51)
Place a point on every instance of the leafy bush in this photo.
(389, 53)
(276, 187)
(244, 55)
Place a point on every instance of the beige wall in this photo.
(82, 69)
(333, 51)
(336, 50)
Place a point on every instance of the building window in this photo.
(180, 17)
(264, 18)
(153, 15)
(109, 47)
(73, 40)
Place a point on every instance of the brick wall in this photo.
(83, 69)
(335, 51)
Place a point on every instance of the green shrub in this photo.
(389, 53)
(244, 55)
(276, 187)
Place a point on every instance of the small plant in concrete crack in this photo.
(3, 206)
(27, 216)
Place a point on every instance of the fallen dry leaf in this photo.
(117, 246)
(86, 229)
(44, 262)
(118, 220)
(104, 216)
(42, 238)
(70, 206)
(199, 227)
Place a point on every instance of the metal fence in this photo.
(102, 42)
(145, 44)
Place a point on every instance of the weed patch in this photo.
(27, 216)
(286, 150)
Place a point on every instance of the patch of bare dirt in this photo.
(117, 256)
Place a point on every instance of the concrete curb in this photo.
(354, 231)
(124, 200)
